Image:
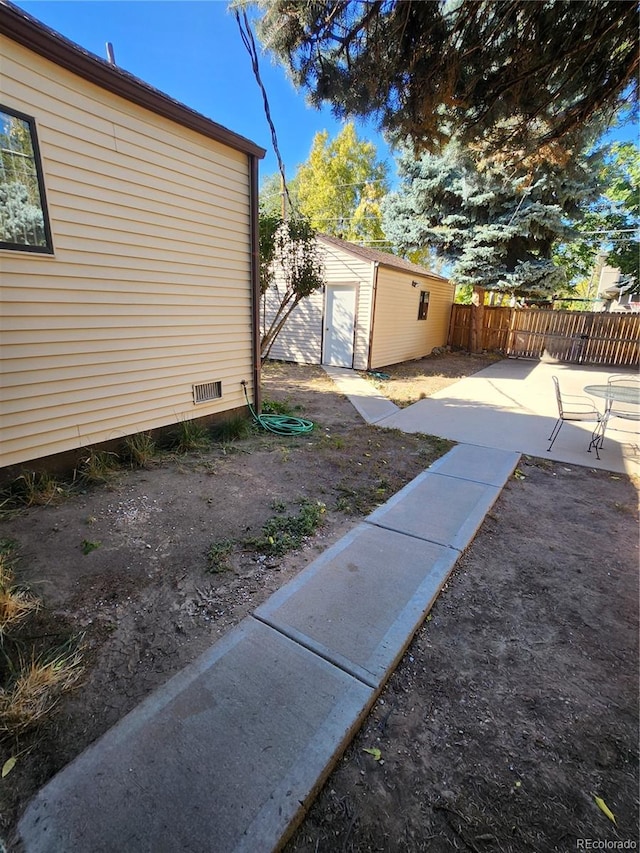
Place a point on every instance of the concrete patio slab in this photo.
(511, 406)
(359, 604)
(482, 465)
(437, 508)
(221, 758)
(368, 402)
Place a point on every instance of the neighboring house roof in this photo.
(378, 257)
(31, 33)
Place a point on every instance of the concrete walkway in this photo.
(230, 752)
(368, 402)
(510, 405)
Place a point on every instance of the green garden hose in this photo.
(279, 424)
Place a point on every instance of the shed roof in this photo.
(378, 257)
(34, 35)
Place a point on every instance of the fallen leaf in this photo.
(605, 808)
(8, 766)
(375, 752)
(518, 474)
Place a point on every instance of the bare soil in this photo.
(515, 704)
(414, 380)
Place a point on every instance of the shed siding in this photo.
(149, 288)
(300, 339)
(398, 335)
(344, 268)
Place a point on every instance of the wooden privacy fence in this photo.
(578, 337)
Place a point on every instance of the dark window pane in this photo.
(23, 223)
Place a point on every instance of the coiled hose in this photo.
(279, 424)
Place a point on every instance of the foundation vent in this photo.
(207, 391)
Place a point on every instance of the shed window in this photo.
(423, 307)
(24, 224)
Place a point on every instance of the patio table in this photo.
(611, 393)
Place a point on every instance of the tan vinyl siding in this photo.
(398, 335)
(149, 288)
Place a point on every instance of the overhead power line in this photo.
(614, 231)
(249, 42)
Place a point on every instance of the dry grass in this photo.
(37, 688)
(32, 682)
(37, 488)
(15, 603)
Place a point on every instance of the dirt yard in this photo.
(516, 703)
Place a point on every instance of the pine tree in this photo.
(498, 74)
(496, 221)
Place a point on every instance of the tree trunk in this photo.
(477, 319)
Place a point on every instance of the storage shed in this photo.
(128, 252)
(375, 309)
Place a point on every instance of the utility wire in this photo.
(249, 42)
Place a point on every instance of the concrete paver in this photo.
(360, 602)
(219, 759)
(481, 465)
(438, 508)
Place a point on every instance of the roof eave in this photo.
(350, 247)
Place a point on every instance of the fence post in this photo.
(477, 320)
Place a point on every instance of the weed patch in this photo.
(285, 533)
(218, 556)
(277, 407)
(98, 466)
(190, 436)
(140, 449)
(363, 500)
(35, 488)
(31, 678)
(15, 603)
(36, 687)
(233, 429)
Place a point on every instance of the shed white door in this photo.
(340, 324)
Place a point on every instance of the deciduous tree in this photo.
(610, 229)
(340, 187)
(290, 268)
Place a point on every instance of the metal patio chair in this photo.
(572, 407)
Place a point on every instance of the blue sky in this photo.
(192, 51)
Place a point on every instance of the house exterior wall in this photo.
(398, 335)
(149, 287)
